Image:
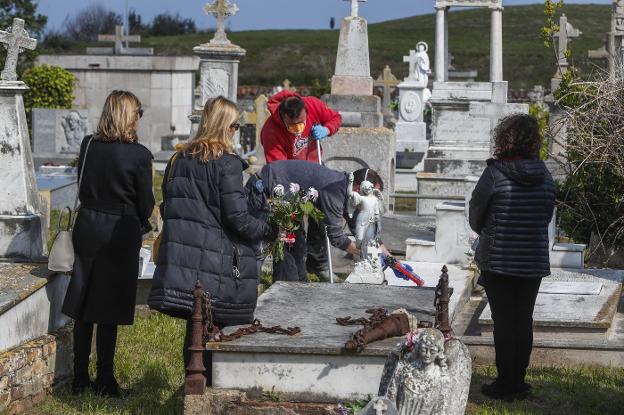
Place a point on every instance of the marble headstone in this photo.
(59, 131)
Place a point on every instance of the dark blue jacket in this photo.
(332, 187)
(207, 236)
(510, 209)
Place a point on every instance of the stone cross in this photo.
(386, 81)
(380, 407)
(119, 38)
(412, 60)
(565, 35)
(221, 9)
(355, 7)
(15, 39)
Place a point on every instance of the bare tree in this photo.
(90, 22)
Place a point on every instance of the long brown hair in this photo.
(214, 137)
(120, 118)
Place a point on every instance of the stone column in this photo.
(440, 52)
(22, 232)
(496, 46)
(446, 45)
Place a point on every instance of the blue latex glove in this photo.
(319, 132)
(397, 273)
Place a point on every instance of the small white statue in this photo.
(369, 205)
(423, 66)
(421, 380)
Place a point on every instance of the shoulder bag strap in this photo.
(84, 161)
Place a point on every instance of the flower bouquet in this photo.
(287, 212)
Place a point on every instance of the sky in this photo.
(263, 14)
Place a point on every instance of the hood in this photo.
(524, 172)
(276, 100)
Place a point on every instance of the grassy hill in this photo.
(303, 55)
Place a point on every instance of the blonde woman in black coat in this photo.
(208, 234)
(116, 201)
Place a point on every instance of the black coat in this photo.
(510, 209)
(208, 236)
(116, 202)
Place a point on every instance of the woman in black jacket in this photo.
(116, 202)
(208, 234)
(510, 209)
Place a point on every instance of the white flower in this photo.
(312, 194)
(279, 191)
(294, 188)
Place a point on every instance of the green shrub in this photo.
(50, 87)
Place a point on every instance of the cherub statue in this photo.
(421, 380)
(369, 205)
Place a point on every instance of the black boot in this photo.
(83, 333)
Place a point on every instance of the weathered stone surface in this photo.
(355, 148)
(21, 232)
(432, 377)
(379, 405)
(558, 314)
(164, 84)
(312, 366)
(30, 303)
(59, 131)
(352, 74)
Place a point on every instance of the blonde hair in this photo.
(213, 137)
(120, 118)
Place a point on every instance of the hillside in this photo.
(303, 55)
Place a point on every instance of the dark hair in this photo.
(291, 107)
(368, 174)
(517, 135)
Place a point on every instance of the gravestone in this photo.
(219, 59)
(613, 51)
(413, 94)
(352, 84)
(22, 234)
(564, 36)
(119, 38)
(387, 82)
(464, 115)
(57, 134)
(572, 303)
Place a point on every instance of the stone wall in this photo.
(28, 372)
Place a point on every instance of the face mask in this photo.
(297, 129)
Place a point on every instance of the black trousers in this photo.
(316, 260)
(293, 266)
(512, 300)
(106, 342)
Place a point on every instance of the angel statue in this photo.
(369, 204)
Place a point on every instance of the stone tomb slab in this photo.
(30, 303)
(313, 366)
(581, 303)
(460, 280)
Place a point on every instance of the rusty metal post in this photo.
(441, 303)
(195, 380)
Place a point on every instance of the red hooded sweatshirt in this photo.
(280, 144)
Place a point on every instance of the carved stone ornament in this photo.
(411, 106)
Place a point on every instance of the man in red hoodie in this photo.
(291, 133)
(294, 126)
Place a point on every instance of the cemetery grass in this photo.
(149, 362)
(305, 55)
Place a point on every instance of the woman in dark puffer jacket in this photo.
(208, 234)
(510, 209)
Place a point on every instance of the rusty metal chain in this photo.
(378, 315)
(212, 333)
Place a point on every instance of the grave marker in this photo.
(221, 10)
(119, 38)
(15, 40)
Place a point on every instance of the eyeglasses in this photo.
(141, 111)
(235, 126)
